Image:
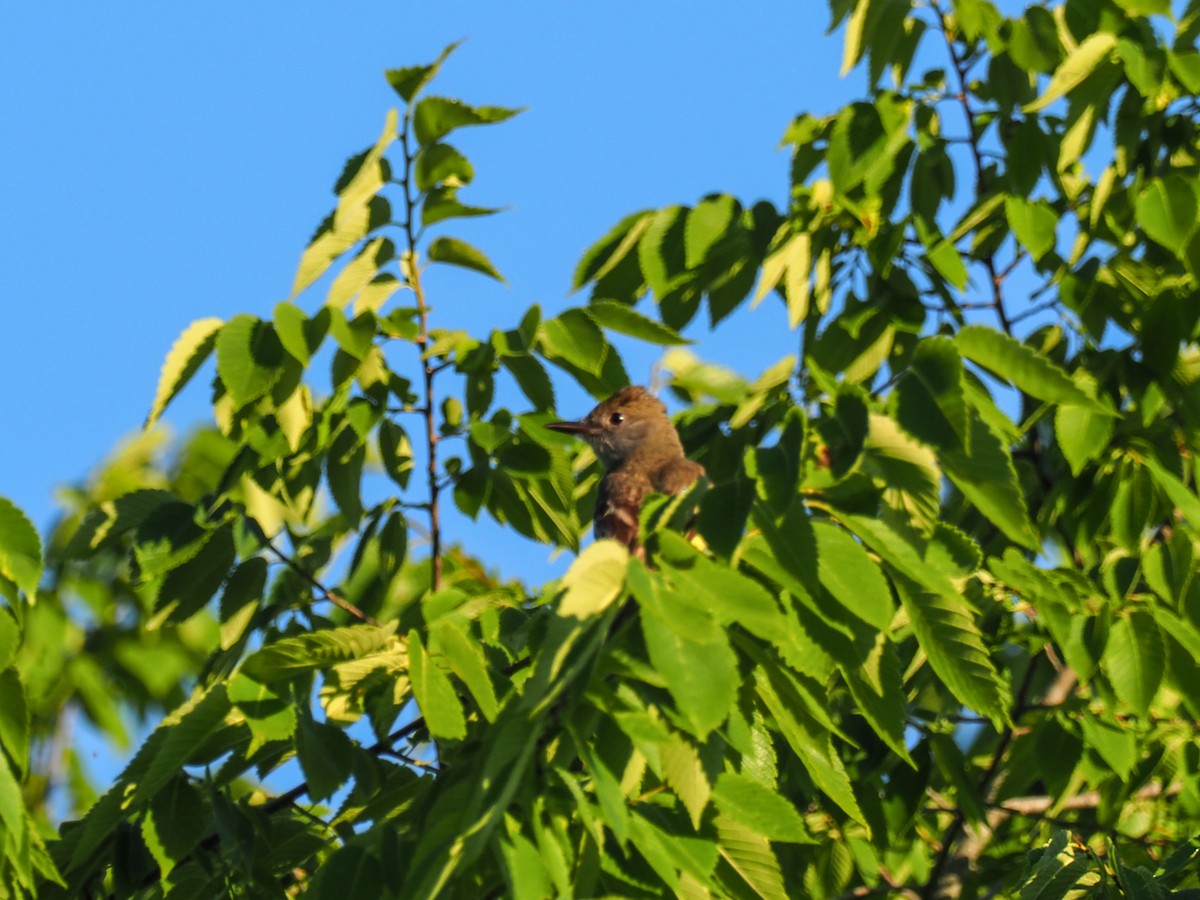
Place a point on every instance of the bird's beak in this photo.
(582, 429)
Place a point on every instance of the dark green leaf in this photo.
(188, 587)
(326, 757)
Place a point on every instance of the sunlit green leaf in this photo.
(1022, 366)
(435, 117)
(434, 693)
(1167, 209)
(185, 357)
(759, 808)
(1079, 64)
(407, 82)
(1134, 658)
(459, 253)
(20, 549)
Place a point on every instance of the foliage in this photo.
(939, 632)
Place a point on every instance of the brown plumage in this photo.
(641, 453)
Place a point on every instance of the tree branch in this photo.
(428, 369)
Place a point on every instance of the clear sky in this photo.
(162, 162)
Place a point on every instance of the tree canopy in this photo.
(937, 635)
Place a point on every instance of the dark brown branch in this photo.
(428, 369)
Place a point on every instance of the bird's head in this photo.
(632, 422)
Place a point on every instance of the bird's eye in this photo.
(617, 418)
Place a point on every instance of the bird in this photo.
(641, 454)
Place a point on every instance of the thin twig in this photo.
(960, 70)
(329, 595)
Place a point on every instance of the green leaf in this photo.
(12, 807)
(344, 470)
(987, 478)
(688, 648)
(1184, 499)
(436, 117)
(851, 576)
(530, 375)
(1080, 63)
(351, 871)
(810, 740)
(441, 164)
(359, 210)
(300, 335)
(442, 203)
(357, 273)
(175, 823)
(907, 471)
(467, 661)
(459, 253)
(10, 637)
(946, 630)
(185, 357)
(705, 225)
(270, 715)
(608, 252)
(749, 854)
(1113, 741)
(434, 693)
(1034, 224)
(575, 338)
(407, 82)
(20, 549)
(594, 580)
(759, 808)
(291, 656)
(1135, 658)
(878, 691)
(619, 317)
(1022, 366)
(931, 405)
(326, 756)
(249, 358)
(188, 587)
(1082, 433)
(1167, 210)
(169, 536)
(14, 719)
(726, 594)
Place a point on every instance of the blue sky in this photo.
(166, 162)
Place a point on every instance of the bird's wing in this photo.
(677, 476)
(617, 508)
